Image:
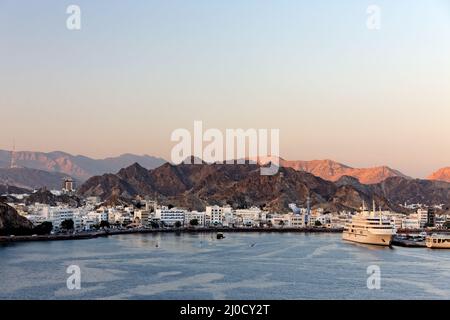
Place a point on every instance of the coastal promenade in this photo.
(106, 233)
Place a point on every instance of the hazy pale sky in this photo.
(137, 70)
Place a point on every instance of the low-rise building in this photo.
(217, 214)
(251, 217)
(411, 223)
(195, 215)
(170, 217)
(279, 220)
(142, 217)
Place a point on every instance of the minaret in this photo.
(308, 209)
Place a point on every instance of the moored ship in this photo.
(369, 228)
(438, 241)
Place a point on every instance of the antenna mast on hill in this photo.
(13, 156)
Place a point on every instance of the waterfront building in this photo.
(113, 216)
(279, 220)
(251, 217)
(229, 218)
(77, 222)
(396, 221)
(98, 215)
(410, 223)
(431, 215)
(125, 218)
(88, 222)
(217, 214)
(323, 219)
(440, 221)
(56, 215)
(170, 216)
(297, 221)
(191, 215)
(339, 220)
(142, 217)
(422, 216)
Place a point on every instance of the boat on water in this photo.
(438, 241)
(220, 235)
(369, 228)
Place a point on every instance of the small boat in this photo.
(438, 241)
(220, 235)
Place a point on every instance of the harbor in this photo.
(243, 265)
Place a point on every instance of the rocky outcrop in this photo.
(46, 197)
(13, 223)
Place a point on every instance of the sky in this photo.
(138, 70)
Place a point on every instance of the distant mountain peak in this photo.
(442, 174)
(134, 169)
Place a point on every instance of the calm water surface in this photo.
(242, 266)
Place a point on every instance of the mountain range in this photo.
(195, 186)
(332, 171)
(34, 170)
(78, 167)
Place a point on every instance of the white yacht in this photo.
(369, 228)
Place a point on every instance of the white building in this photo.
(297, 220)
(88, 222)
(56, 215)
(339, 220)
(195, 215)
(323, 219)
(422, 216)
(410, 223)
(98, 216)
(440, 221)
(217, 214)
(251, 217)
(170, 216)
(280, 220)
(397, 222)
(143, 216)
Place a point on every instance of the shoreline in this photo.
(106, 233)
(97, 234)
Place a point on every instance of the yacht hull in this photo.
(368, 238)
(443, 244)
